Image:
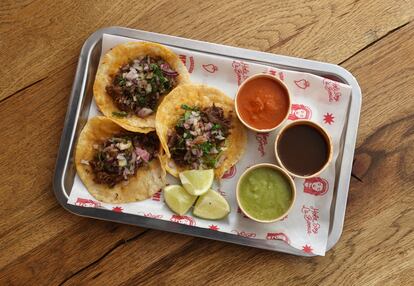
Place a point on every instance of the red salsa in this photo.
(263, 103)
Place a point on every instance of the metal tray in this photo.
(81, 98)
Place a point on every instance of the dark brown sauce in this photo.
(303, 149)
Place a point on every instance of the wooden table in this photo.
(42, 244)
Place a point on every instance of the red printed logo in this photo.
(316, 186)
(157, 196)
(244, 233)
(188, 64)
(311, 216)
(307, 249)
(262, 140)
(239, 211)
(213, 227)
(211, 68)
(158, 216)
(87, 203)
(117, 209)
(278, 236)
(302, 83)
(241, 70)
(328, 118)
(332, 87)
(230, 173)
(300, 111)
(183, 219)
(274, 72)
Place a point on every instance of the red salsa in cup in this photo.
(262, 102)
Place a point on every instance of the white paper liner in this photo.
(319, 99)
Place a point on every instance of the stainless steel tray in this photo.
(81, 98)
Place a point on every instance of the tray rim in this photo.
(291, 63)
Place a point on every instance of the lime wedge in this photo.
(197, 182)
(177, 199)
(211, 205)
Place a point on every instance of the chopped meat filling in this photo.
(199, 137)
(119, 157)
(137, 87)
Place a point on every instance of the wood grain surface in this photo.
(42, 244)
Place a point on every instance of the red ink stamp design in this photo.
(188, 64)
(311, 216)
(117, 209)
(183, 219)
(158, 216)
(213, 227)
(328, 118)
(157, 196)
(87, 203)
(302, 83)
(278, 236)
(316, 186)
(332, 87)
(300, 111)
(241, 70)
(262, 141)
(230, 173)
(244, 233)
(274, 72)
(211, 68)
(307, 249)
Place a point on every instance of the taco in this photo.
(132, 79)
(118, 166)
(198, 129)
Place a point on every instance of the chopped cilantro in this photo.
(158, 73)
(206, 147)
(210, 161)
(216, 126)
(120, 113)
(181, 142)
(121, 80)
(187, 134)
(187, 115)
(154, 67)
(154, 84)
(185, 107)
(142, 100)
(188, 108)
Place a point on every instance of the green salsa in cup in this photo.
(265, 193)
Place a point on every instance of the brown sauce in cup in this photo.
(303, 149)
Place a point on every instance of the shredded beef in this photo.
(199, 136)
(119, 157)
(111, 180)
(215, 115)
(137, 87)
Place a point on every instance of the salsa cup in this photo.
(321, 131)
(284, 88)
(284, 175)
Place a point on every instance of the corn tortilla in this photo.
(169, 112)
(148, 179)
(112, 62)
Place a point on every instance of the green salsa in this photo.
(265, 194)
